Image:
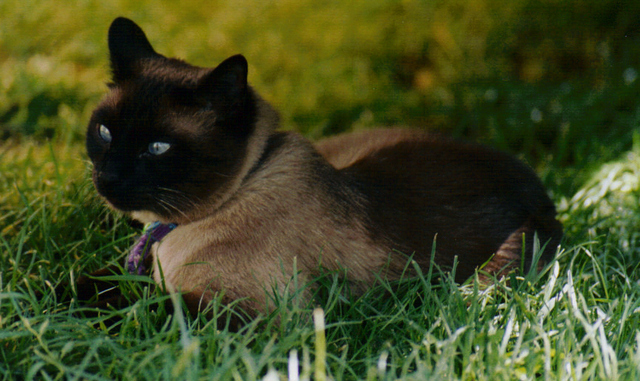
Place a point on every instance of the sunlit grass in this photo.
(579, 320)
(479, 70)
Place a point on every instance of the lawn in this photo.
(523, 76)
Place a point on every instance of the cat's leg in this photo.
(97, 290)
(506, 258)
(509, 255)
(95, 293)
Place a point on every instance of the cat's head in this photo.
(171, 141)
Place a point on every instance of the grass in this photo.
(580, 319)
(331, 67)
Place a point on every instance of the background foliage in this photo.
(555, 82)
(552, 80)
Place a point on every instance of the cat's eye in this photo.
(158, 148)
(105, 134)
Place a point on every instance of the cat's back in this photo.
(400, 160)
(344, 150)
(419, 186)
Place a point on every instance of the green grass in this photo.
(521, 76)
(580, 319)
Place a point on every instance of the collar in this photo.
(138, 260)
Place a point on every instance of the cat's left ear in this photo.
(225, 87)
(127, 46)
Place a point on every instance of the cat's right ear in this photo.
(127, 46)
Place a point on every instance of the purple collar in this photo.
(137, 261)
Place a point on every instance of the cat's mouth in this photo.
(128, 199)
(131, 205)
(123, 204)
(118, 195)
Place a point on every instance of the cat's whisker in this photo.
(178, 197)
(184, 198)
(167, 206)
(173, 191)
(170, 207)
(222, 174)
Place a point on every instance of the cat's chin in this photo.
(146, 217)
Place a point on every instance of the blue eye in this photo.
(158, 148)
(105, 134)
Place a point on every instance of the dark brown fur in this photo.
(254, 205)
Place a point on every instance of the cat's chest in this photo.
(180, 248)
(204, 247)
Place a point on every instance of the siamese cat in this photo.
(197, 148)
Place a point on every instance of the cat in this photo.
(198, 148)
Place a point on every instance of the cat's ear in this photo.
(127, 46)
(224, 88)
